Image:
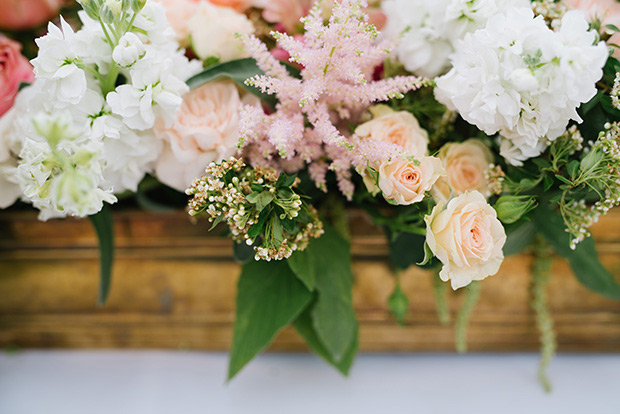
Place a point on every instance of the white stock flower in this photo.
(58, 64)
(521, 79)
(60, 173)
(435, 27)
(9, 190)
(129, 49)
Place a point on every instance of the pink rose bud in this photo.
(25, 14)
(14, 69)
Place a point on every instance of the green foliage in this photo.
(269, 298)
(472, 294)
(519, 236)
(511, 208)
(303, 264)
(583, 260)
(333, 315)
(398, 302)
(305, 327)
(103, 223)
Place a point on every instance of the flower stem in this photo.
(472, 293)
(540, 275)
(440, 289)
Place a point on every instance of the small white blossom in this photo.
(129, 50)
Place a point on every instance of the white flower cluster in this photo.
(107, 83)
(521, 79)
(435, 27)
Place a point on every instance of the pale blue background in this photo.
(154, 382)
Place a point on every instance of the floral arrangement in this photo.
(467, 130)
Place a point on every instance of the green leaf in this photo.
(269, 298)
(304, 326)
(303, 264)
(398, 303)
(264, 199)
(217, 221)
(333, 316)
(518, 237)
(583, 260)
(406, 249)
(103, 223)
(243, 253)
(238, 71)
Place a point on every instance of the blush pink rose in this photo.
(405, 182)
(608, 11)
(14, 69)
(25, 14)
(206, 129)
(467, 238)
(285, 12)
(465, 163)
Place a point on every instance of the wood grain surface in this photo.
(174, 287)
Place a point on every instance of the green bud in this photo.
(54, 128)
(135, 5)
(111, 10)
(511, 208)
(91, 7)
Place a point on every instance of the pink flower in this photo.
(24, 14)
(406, 182)
(608, 11)
(14, 69)
(178, 13)
(467, 238)
(205, 130)
(285, 12)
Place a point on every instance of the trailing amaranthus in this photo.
(259, 206)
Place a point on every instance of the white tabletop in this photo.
(154, 382)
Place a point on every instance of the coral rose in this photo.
(205, 130)
(465, 164)
(467, 238)
(25, 14)
(238, 5)
(14, 69)
(400, 128)
(405, 181)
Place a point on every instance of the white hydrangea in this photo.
(435, 27)
(521, 79)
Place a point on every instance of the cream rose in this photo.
(212, 32)
(178, 13)
(467, 238)
(465, 165)
(400, 128)
(406, 182)
(205, 130)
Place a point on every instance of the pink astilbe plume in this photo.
(336, 86)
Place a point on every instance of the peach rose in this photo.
(205, 130)
(467, 238)
(406, 181)
(25, 14)
(238, 5)
(465, 165)
(608, 11)
(400, 128)
(212, 32)
(14, 69)
(178, 13)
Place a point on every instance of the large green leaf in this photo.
(519, 236)
(583, 260)
(406, 249)
(333, 316)
(103, 224)
(303, 264)
(304, 326)
(236, 70)
(269, 298)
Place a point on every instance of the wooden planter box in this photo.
(174, 287)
